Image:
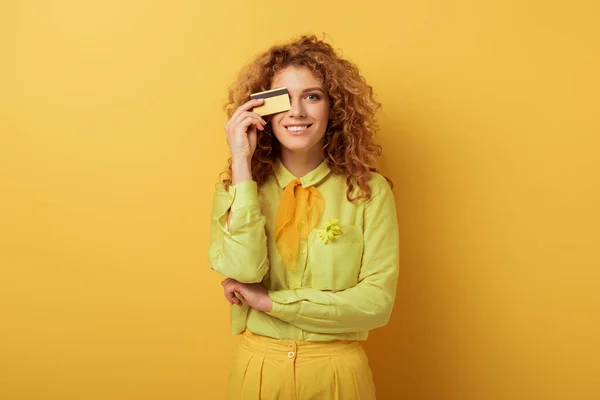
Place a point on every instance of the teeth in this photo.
(296, 128)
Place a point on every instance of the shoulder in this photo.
(381, 207)
(379, 186)
(378, 181)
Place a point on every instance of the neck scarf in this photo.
(300, 210)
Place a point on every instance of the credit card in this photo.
(276, 101)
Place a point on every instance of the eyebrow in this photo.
(313, 89)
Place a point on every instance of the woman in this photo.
(304, 229)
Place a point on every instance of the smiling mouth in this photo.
(297, 128)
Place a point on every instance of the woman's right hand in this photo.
(241, 130)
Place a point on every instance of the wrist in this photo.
(240, 160)
(241, 170)
(268, 304)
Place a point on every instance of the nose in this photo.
(297, 109)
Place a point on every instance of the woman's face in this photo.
(302, 128)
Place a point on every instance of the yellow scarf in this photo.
(300, 210)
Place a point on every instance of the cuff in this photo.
(285, 304)
(244, 194)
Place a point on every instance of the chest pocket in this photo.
(335, 265)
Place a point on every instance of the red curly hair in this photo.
(349, 145)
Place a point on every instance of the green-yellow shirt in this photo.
(340, 289)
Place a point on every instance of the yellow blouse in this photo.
(344, 283)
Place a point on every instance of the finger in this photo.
(233, 299)
(247, 106)
(251, 114)
(225, 281)
(252, 121)
(247, 114)
(238, 300)
(230, 296)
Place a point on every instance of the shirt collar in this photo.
(313, 178)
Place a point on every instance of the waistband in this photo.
(300, 348)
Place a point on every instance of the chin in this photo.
(298, 145)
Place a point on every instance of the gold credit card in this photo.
(276, 100)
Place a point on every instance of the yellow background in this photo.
(111, 138)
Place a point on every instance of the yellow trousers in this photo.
(267, 369)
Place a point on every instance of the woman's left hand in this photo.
(255, 294)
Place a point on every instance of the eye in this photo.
(313, 96)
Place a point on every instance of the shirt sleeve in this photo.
(239, 252)
(367, 305)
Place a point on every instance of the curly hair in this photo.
(349, 143)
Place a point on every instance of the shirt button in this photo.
(291, 354)
(303, 251)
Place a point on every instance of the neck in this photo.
(300, 164)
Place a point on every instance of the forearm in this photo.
(238, 247)
(241, 172)
(366, 306)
